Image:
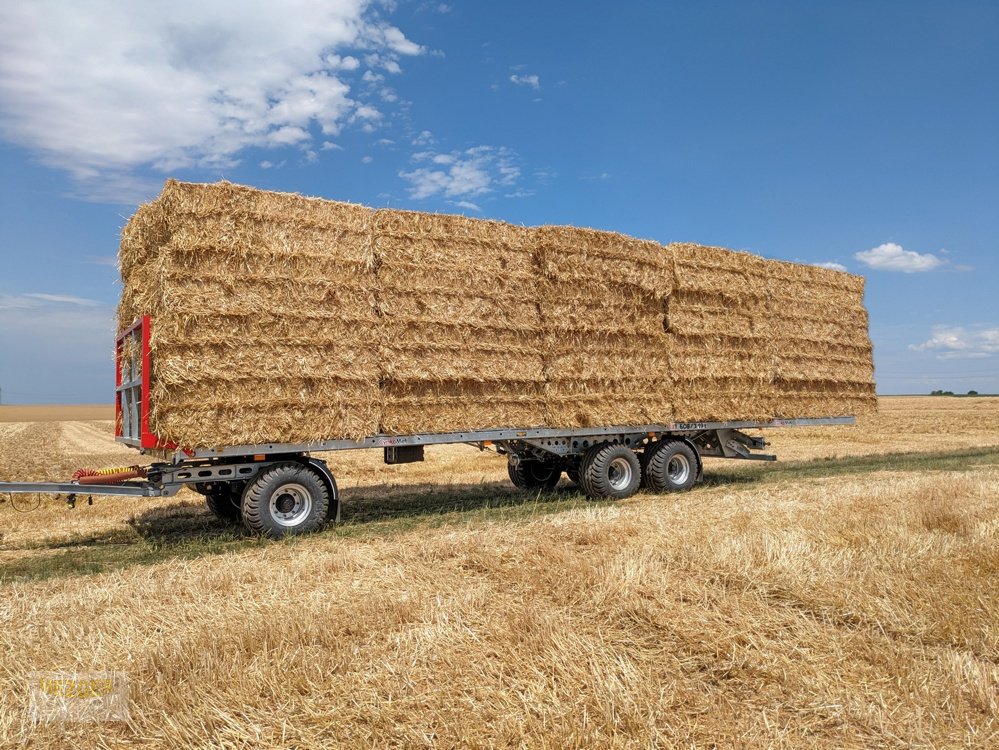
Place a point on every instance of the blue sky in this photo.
(864, 134)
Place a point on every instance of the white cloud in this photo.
(832, 266)
(520, 193)
(463, 174)
(35, 300)
(100, 87)
(424, 138)
(958, 342)
(892, 257)
(367, 159)
(468, 205)
(532, 80)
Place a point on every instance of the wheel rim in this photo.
(619, 473)
(678, 469)
(290, 504)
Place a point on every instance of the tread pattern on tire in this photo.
(256, 499)
(593, 471)
(223, 503)
(524, 476)
(659, 456)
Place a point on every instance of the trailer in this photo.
(279, 489)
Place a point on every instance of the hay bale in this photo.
(719, 323)
(459, 330)
(601, 297)
(261, 305)
(822, 355)
(284, 318)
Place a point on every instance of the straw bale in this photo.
(722, 398)
(591, 403)
(721, 275)
(609, 260)
(459, 328)
(601, 297)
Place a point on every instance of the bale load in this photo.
(263, 309)
(600, 296)
(718, 328)
(459, 336)
(822, 354)
(279, 318)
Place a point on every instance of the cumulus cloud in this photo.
(461, 174)
(468, 205)
(532, 80)
(107, 86)
(892, 257)
(832, 266)
(958, 342)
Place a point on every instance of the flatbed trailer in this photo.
(278, 488)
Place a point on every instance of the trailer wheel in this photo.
(223, 500)
(285, 499)
(671, 467)
(610, 470)
(532, 474)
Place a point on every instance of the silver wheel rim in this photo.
(290, 504)
(619, 473)
(678, 469)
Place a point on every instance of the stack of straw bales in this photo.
(718, 328)
(822, 356)
(263, 309)
(601, 300)
(460, 333)
(283, 318)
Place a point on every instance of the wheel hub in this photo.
(678, 469)
(619, 473)
(291, 504)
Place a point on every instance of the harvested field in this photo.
(55, 412)
(845, 598)
(283, 318)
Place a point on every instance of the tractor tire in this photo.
(671, 467)
(223, 499)
(284, 500)
(611, 471)
(532, 474)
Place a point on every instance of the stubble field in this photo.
(843, 597)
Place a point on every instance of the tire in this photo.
(643, 459)
(671, 467)
(610, 470)
(286, 499)
(223, 500)
(572, 473)
(532, 474)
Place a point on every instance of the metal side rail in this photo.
(486, 436)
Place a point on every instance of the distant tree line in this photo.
(951, 393)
